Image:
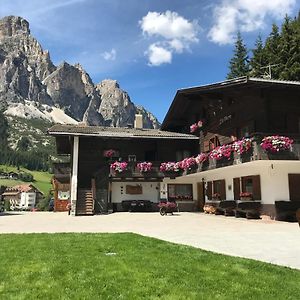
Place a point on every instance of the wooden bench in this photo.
(286, 210)
(137, 205)
(248, 209)
(226, 207)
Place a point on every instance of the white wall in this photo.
(273, 178)
(150, 191)
(27, 200)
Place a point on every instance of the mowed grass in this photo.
(129, 266)
(42, 179)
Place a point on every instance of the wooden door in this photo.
(209, 190)
(200, 195)
(236, 188)
(294, 187)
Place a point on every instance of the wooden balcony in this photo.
(133, 173)
(255, 153)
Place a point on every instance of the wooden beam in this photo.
(74, 175)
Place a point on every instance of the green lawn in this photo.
(42, 179)
(129, 266)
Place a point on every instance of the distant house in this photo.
(9, 175)
(22, 197)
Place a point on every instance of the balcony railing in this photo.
(132, 171)
(255, 153)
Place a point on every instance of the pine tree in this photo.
(239, 65)
(258, 59)
(271, 50)
(289, 49)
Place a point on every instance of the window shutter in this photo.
(209, 190)
(256, 187)
(222, 189)
(206, 146)
(236, 188)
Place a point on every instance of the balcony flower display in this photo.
(170, 167)
(202, 157)
(167, 204)
(194, 127)
(220, 152)
(188, 163)
(109, 153)
(119, 166)
(144, 167)
(276, 143)
(246, 196)
(242, 146)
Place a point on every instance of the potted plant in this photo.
(170, 169)
(119, 167)
(167, 207)
(144, 167)
(246, 196)
(188, 164)
(220, 152)
(110, 154)
(216, 196)
(276, 143)
(196, 126)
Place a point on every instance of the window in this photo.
(214, 143)
(251, 184)
(180, 192)
(216, 187)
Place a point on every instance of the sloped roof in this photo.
(180, 97)
(116, 132)
(22, 188)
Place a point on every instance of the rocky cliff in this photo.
(31, 86)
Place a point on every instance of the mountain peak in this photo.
(13, 25)
(31, 86)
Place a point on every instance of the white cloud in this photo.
(245, 15)
(169, 25)
(111, 55)
(173, 34)
(158, 55)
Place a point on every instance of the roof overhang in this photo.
(116, 133)
(245, 81)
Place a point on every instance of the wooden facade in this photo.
(91, 189)
(235, 109)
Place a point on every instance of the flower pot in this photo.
(246, 199)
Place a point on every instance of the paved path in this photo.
(269, 241)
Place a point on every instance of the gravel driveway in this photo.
(269, 241)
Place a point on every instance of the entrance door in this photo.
(294, 187)
(201, 196)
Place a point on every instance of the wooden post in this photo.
(74, 175)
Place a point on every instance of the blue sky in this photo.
(152, 47)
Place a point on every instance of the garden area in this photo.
(129, 266)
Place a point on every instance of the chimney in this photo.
(138, 122)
